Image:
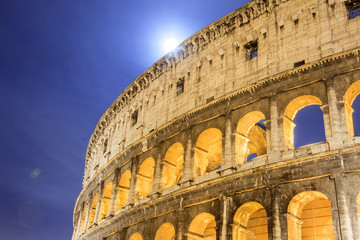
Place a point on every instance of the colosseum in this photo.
(201, 145)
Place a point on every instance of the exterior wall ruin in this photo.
(169, 158)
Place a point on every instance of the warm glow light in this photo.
(170, 44)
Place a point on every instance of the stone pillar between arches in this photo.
(227, 156)
(114, 192)
(344, 214)
(86, 223)
(189, 165)
(157, 176)
(98, 204)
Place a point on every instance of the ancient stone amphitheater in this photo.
(170, 158)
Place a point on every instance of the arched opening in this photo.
(83, 218)
(356, 115)
(144, 178)
(93, 210)
(165, 232)
(172, 165)
(203, 226)
(309, 126)
(136, 236)
(106, 200)
(250, 222)
(251, 157)
(352, 101)
(309, 217)
(123, 190)
(208, 150)
(250, 137)
(290, 113)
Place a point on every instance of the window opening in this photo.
(356, 116)
(134, 118)
(298, 64)
(180, 86)
(309, 128)
(251, 49)
(353, 8)
(251, 157)
(105, 145)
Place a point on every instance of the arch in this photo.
(144, 179)
(172, 165)
(123, 190)
(136, 236)
(351, 93)
(250, 136)
(93, 210)
(250, 222)
(203, 226)
(290, 112)
(309, 216)
(165, 232)
(105, 201)
(208, 151)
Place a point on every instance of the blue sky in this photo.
(62, 64)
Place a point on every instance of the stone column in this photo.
(179, 234)
(114, 192)
(272, 132)
(224, 218)
(344, 215)
(78, 223)
(98, 204)
(276, 227)
(227, 160)
(188, 160)
(335, 140)
(86, 223)
(157, 175)
(132, 182)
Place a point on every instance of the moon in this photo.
(170, 44)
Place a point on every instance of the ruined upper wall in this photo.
(214, 62)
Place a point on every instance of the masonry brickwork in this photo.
(170, 158)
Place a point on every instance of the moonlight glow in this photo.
(170, 44)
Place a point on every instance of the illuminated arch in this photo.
(250, 222)
(165, 232)
(136, 236)
(208, 151)
(351, 93)
(172, 165)
(250, 136)
(145, 178)
(93, 209)
(290, 112)
(123, 190)
(203, 226)
(309, 217)
(105, 201)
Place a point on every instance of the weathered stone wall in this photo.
(174, 157)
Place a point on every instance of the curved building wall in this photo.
(171, 153)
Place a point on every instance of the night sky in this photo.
(62, 64)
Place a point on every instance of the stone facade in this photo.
(169, 158)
